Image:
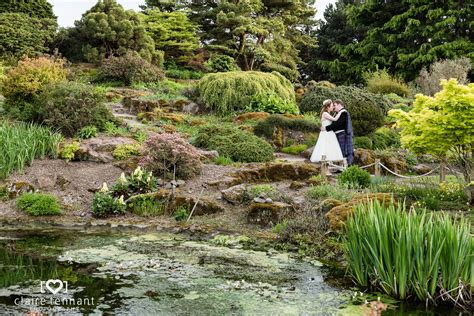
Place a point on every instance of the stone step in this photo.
(126, 116)
(134, 124)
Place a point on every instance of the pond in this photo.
(95, 272)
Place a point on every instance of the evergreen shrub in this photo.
(71, 106)
(363, 142)
(221, 63)
(233, 143)
(233, 91)
(382, 82)
(271, 103)
(354, 177)
(38, 204)
(267, 127)
(367, 109)
(129, 68)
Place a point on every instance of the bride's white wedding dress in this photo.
(327, 145)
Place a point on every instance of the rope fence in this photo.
(378, 166)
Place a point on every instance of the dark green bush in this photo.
(271, 103)
(129, 68)
(233, 143)
(233, 91)
(367, 109)
(354, 177)
(267, 127)
(221, 63)
(363, 142)
(38, 204)
(71, 106)
(290, 73)
(183, 74)
(385, 138)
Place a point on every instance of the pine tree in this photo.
(173, 33)
(405, 36)
(40, 9)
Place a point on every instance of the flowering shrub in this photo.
(169, 153)
(24, 82)
(105, 204)
(139, 182)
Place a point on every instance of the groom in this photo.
(343, 129)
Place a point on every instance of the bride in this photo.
(327, 144)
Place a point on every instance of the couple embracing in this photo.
(335, 139)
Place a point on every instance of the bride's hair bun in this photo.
(327, 102)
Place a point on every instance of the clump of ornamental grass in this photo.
(21, 143)
(410, 255)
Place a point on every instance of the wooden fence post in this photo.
(377, 170)
(442, 171)
(324, 167)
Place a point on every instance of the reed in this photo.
(21, 143)
(410, 255)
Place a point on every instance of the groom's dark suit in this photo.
(343, 129)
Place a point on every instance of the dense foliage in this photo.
(221, 63)
(22, 35)
(105, 30)
(255, 33)
(40, 9)
(402, 37)
(366, 109)
(410, 254)
(70, 106)
(267, 127)
(441, 124)
(382, 82)
(272, 103)
(354, 177)
(233, 143)
(230, 92)
(170, 154)
(129, 68)
(22, 143)
(22, 84)
(38, 204)
(173, 33)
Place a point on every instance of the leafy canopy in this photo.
(107, 29)
(23, 35)
(173, 33)
(440, 124)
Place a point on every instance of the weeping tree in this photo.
(442, 125)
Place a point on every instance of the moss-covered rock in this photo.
(275, 171)
(267, 214)
(253, 116)
(329, 204)
(338, 215)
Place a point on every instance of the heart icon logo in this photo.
(55, 288)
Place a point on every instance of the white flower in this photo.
(104, 188)
(138, 172)
(120, 200)
(122, 179)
